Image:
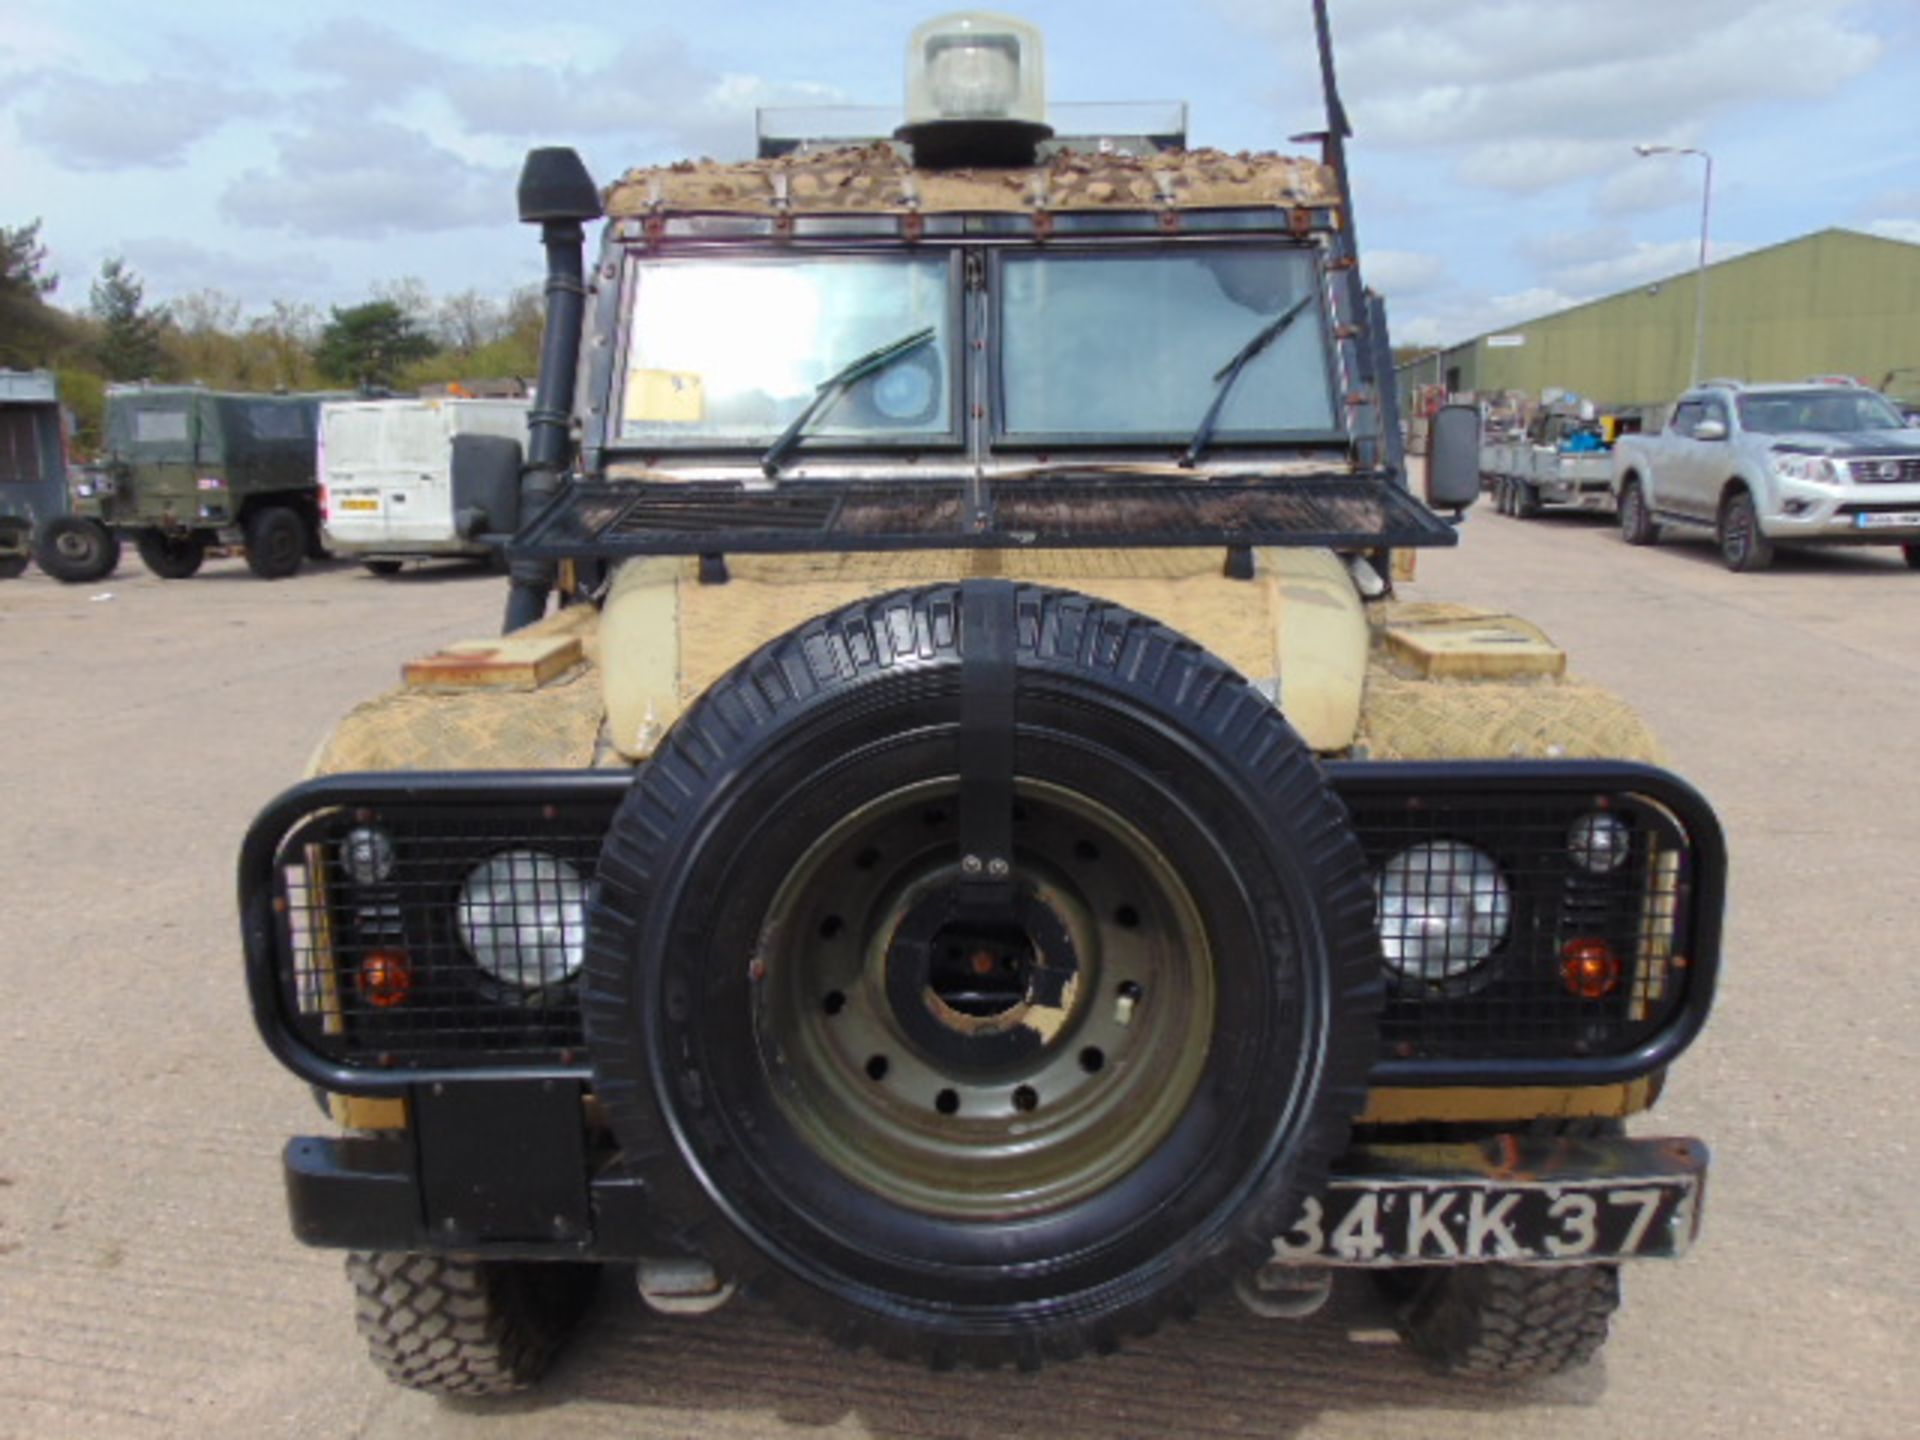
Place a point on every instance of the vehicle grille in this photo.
(1515, 1004)
(322, 930)
(1902, 471)
(344, 931)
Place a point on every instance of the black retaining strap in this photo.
(989, 637)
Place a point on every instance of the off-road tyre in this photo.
(1736, 530)
(77, 550)
(17, 537)
(1637, 525)
(1509, 1322)
(834, 721)
(465, 1327)
(276, 542)
(383, 567)
(1500, 496)
(171, 557)
(1526, 500)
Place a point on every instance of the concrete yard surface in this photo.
(149, 1285)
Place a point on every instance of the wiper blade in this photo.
(1228, 373)
(829, 391)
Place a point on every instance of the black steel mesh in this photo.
(1507, 989)
(1504, 998)
(415, 936)
(607, 519)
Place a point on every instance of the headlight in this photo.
(367, 854)
(523, 918)
(1444, 906)
(1816, 468)
(1598, 842)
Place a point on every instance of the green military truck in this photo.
(185, 468)
(984, 857)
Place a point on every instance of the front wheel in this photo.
(981, 1108)
(172, 557)
(1508, 1322)
(1636, 520)
(465, 1327)
(276, 542)
(1742, 545)
(77, 550)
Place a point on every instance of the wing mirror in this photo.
(1453, 457)
(1710, 430)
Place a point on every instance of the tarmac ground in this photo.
(149, 1286)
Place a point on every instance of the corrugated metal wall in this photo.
(1835, 302)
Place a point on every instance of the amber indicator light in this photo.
(386, 978)
(1588, 968)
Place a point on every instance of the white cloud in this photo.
(92, 124)
(1400, 273)
(1896, 229)
(368, 179)
(1530, 95)
(172, 267)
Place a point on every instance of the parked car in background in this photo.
(186, 468)
(35, 522)
(386, 475)
(1820, 462)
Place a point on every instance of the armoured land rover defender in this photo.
(982, 857)
(186, 468)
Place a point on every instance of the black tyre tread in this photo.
(103, 558)
(1646, 531)
(1527, 504)
(448, 1326)
(1074, 632)
(277, 542)
(171, 559)
(1759, 551)
(1507, 1322)
(12, 567)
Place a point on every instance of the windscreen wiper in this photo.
(1230, 372)
(829, 391)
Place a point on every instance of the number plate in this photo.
(1888, 520)
(1580, 1202)
(357, 503)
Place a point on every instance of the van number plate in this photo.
(360, 503)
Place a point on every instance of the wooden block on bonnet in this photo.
(509, 663)
(1495, 648)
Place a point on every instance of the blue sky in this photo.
(313, 153)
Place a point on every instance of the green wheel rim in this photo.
(910, 1089)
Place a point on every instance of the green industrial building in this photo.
(1836, 302)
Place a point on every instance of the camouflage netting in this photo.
(1406, 717)
(556, 725)
(875, 177)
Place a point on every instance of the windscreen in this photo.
(729, 351)
(1129, 344)
(1834, 411)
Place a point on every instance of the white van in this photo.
(386, 488)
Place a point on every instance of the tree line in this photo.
(401, 338)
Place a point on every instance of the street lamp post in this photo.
(1700, 271)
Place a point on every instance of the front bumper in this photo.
(1508, 1199)
(1833, 514)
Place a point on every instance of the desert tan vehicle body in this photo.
(942, 871)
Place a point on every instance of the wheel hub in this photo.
(977, 1061)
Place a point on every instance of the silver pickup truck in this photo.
(1821, 462)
